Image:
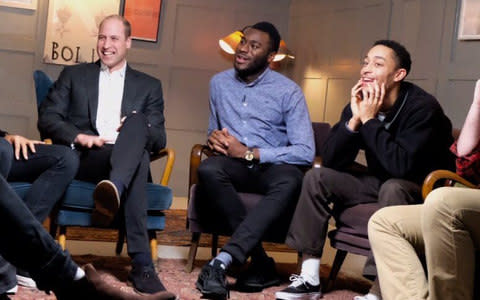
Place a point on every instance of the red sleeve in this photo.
(468, 166)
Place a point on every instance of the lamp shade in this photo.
(230, 42)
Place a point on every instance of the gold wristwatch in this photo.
(249, 156)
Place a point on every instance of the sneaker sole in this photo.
(290, 296)
(254, 288)
(107, 203)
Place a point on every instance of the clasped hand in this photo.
(223, 142)
(365, 102)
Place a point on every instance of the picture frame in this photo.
(25, 4)
(72, 29)
(469, 20)
(144, 16)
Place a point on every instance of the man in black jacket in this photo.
(405, 135)
(113, 116)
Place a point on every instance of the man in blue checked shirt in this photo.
(260, 127)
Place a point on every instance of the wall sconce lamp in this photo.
(230, 42)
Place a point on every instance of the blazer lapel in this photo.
(129, 91)
(91, 78)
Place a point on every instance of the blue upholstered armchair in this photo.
(76, 207)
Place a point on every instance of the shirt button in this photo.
(244, 122)
(244, 103)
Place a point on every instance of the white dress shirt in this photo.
(110, 95)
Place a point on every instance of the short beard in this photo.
(258, 65)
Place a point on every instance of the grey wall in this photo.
(329, 38)
(184, 59)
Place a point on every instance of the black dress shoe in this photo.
(145, 280)
(212, 281)
(92, 287)
(259, 275)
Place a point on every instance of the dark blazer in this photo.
(71, 105)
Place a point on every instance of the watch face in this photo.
(249, 155)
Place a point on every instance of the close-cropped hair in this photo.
(402, 56)
(272, 32)
(126, 24)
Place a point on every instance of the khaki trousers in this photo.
(443, 233)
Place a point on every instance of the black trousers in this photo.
(24, 242)
(127, 162)
(221, 177)
(325, 190)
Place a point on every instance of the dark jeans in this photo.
(24, 241)
(325, 189)
(126, 162)
(220, 178)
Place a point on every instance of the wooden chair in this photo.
(443, 178)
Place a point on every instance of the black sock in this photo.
(141, 259)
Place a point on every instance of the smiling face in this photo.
(380, 65)
(253, 54)
(112, 43)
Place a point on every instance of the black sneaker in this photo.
(212, 281)
(299, 289)
(259, 275)
(145, 280)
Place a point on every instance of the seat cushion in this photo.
(78, 203)
(79, 196)
(351, 233)
(354, 220)
(21, 188)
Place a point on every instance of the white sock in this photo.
(311, 270)
(368, 296)
(79, 274)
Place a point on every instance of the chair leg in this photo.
(62, 237)
(152, 235)
(214, 245)
(299, 262)
(120, 240)
(53, 228)
(337, 264)
(193, 251)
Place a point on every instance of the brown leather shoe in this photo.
(107, 202)
(93, 287)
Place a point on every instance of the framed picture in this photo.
(26, 4)
(469, 20)
(72, 29)
(144, 16)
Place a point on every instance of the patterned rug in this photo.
(115, 271)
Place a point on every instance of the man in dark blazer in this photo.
(113, 116)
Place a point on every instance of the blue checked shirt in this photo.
(269, 113)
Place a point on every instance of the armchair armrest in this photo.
(198, 151)
(167, 171)
(449, 177)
